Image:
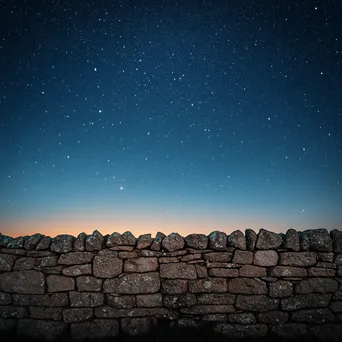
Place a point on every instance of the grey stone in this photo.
(180, 300)
(237, 240)
(281, 288)
(109, 312)
(74, 315)
(300, 301)
(174, 286)
(79, 244)
(157, 242)
(317, 240)
(321, 272)
(242, 257)
(268, 240)
(301, 259)
(214, 285)
(5, 241)
(144, 241)
(32, 242)
(216, 298)
(77, 270)
(107, 266)
(11, 311)
(173, 242)
(251, 238)
(5, 298)
(13, 251)
(85, 299)
(336, 236)
(287, 271)
(44, 243)
(116, 239)
(251, 271)
(120, 302)
(58, 283)
(218, 256)
(17, 242)
(242, 318)
(88, 284)
(214, 318)
(62, 243)
(95, 329)
(50, 300)
(261, 303)
(291, 240)
(76, 258)
(313, 316)
(141, 265)
(149, 300)
(7, 262)
(39, 312)
(197, 241)
(201, 271)
(240, 330)
(223, 272)
(247, 286)
(207, 309)
(218, 241)
(94, 242)
(320, 285)
(273, 317)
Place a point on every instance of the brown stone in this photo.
(321, 272)
(50, 300)
(58, 283)
(32, 242)
(168, 260)
(137, 326)
(85, 299)
(178, 271)
(88, 284)
(260, 303)
(77, 315)
(94, 242)
(215, 285)
(268, 240)
(44, 243)
(149, 300)
(107, 266)
(242, 257)
(218, 241)
(30, 282)
(223, 272)
(95, 329)
(79, 244)
(301, 259)
(241, 331)
(120, 302)
(128, 255)
(40, 312)
(207, 309)
(252, 271)
(265, 258)
(191, 257)
(201, 271)
(251, 238)
(314, 316)
(122, 248)
(141, 265)
(11, 311)
(222, 264)
(291, 240)
(144, 241)
(77, 270)
(173, 242)
(287, 271)
(321, 285)
(326, 265)
(313, 300)
(76, 258)
(218, 256)
(273, 317)
(157, 242)
(216, 298)
(242, 318)
(338, 259)
(174, 286)
(62, 243)
(237, 240)
(7, 262)
(39, 254)
(281, 288)
(175, 254)
(148, 253)
(197, 241)
(116, 239)
(317, 240)
(247, 286)
(179, 300)
(5, 298)
(289, 330)
(326, 256)
(135, 283)
(24, 264)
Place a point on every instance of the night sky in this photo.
(185, 116)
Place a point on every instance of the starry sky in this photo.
(155, 115)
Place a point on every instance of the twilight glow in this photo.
(188, 116)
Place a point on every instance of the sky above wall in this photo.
(186, 116)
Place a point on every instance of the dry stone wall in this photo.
(242, 285)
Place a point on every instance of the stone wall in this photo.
(243, 285)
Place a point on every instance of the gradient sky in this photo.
(186, 116)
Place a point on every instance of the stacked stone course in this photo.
(242, 285)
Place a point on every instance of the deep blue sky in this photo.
(187, 116)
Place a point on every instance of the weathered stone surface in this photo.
(338, 259)
(339, 271)
(14, 251)
(216, 298)
(108, 252)
(174, 286)
(7, 324)
(218, 241)
(287, 271)
(326, 332)
(321, 285)
(30, 282)
(157, 242)
(7, 262)
(326, 256)
(32, 242)
(218, 257)
(109, 312)
(326, 265)
(289, 330)
(242, 318)
(11, 311)
(148, 253)
(77, 270)
(85, 299)
(5, 298)
(95, 329)
(141, 265)
(237, 240)
(120, 302)
(178, 271)
(273, 317)
(268, 240)
(336, 236)
(50, 300)
(149, 300)
(302, 259)
(88, 284)
(191, 257)
(321, 272)
(107, 266)
(5, 240)
(79, 243)
(17, 242)
(168, 260)
(180, 300)
(58, 283)
(24, 264)
(215, 318)
(122, 248)
(42, 330)
(281, 288)
(135, 283)
(128, 255)
(314, 316)
(46, 261)
(251, 238)
(223, 272)
(144, 241)
(116, 239)
(215, 285)
(242, 257)
(197, 241)
(253, 303)
(44, 243)
(94, 242)
(40, 254)
(315, 240)
(186, 322)
(265, 258)
(247, 286)
(241, 331)
(62, 243)
(39, 312)
(74, 315)
(207, 309)
(201, 271)
(291, 240)
(313, 300)
(137, 326)
(173, 242)
(252, 271)
(52, 269)
(174, 254)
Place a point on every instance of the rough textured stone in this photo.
(287, 271)
(215, 285)
(95, 329)
(173, 242)
(94, 242)
(135, 283)
(108, 252)
(223, 272)
(174, 286)
(137, 326)
(237, 240)
(32, 242)
(40, 329)
(62, 243)
(109, 312)
(336, 236)
(7, 262)
(44, 243)
(192, 257)
(180, 300)
(30, 282)
(252, 271)
(326, 256)
(268, 240)
(13, 251)
(174, 254)
(259, 303)
(265, 258)
(178, 270)
(128, 255)
(157, 242)
(273, 317)
(168, 260)
(314, 316)
(218, 257)
(85, 299)
(289, 330)
(218, 241)
(141, 265)
(338, 259)
(321, 272)
(291, 240)
(39, 254)
(74, 315)
(120, 302)
(241, 331)
(144, 241)
(242, 318)
(52, 269)
(207, 309)
(116, 239)
(58, 283)
(216, 298)
(39, 312)
(201, 271)
(122, 248)
(88, 284)
(321, 285)
(11, 311)
(149, 300)
(5, 241)
(302, 259)
(107, 266)
(326, 332)
(24, 264)
(79, 243)
(5, 298)
(281, 288)
(17, 242)
(215, 318)
(197, 241)
(242, 257)
(77, 270)
(315, 240)
(313, 300)
(251, 238)
(247, 286)
(50, 300)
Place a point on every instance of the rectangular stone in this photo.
(301, 259)
(149, 300)
(321, 272)
(215, 285)
(216, 298)
(88, 284)
(313, 300)
(218, 257)
(202, 271)
(207, 309)
(174, 286)
(11, 311)
(191, 257)
(51, 299)
(5, 298)
(120, 302)
(40, 312)
(109, 312)
(178, 271)
(85, 299)
(13, 251)
(77, 315)
(7, 262)
(223, 272)
(287, 271)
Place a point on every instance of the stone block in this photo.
(207, 309)
(109, 312)
(300, 259)
(197, 241)
(116, 239)
(107, 266)
(120, 302)
(336, 306)
(313, 300)
(94, 242)
(62, 243)
(5, 298)
(273, 317)
(157, 242)
(137, 326)
(32, 242)
(144, 241)
(320, 285)
(321, 272)
(201, 271)
(174, 286)
(11, 311)
(76, 258)
(242, 318)
(191, 257)
(265, 258)
(223, 272)
(336, 236)
(312, 316)
(178, 271)
(214, 285)
(242, 257)
(237, 240)
(247, 286)
(218, 256)
(173, 242)
(75, 315)
(317, 240)
(141, 265)
(88, 284)
(281, 288)
(179, 300)
(50, 300)
(79, 243)
(288, 330)
(149, 300)
(128, 255)
(268, 240)
(252, 271)
(217, 241)
(291, 240)
(41, 312)
(261, 303)
(7, 262)
(77, 270)
(287, 271)
(58, 283)
(216, 298)
(215, 318)
(85, 299)
(251, 238)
